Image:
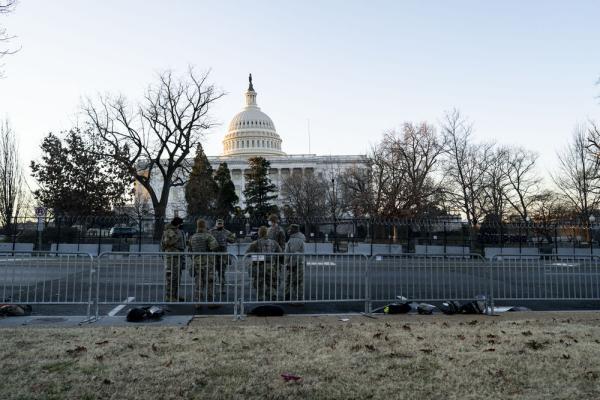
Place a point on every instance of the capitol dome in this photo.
(251, 131)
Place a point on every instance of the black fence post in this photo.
(78, 236)
(556, 240)
(446, 238)
(140, 228)
(58, 234)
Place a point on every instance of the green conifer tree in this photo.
(201, 189)
(259, 191)
(226, 196)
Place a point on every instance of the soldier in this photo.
(264, 275)
(173, 241)
(223, 237)
(294, 277)
(275, 231)
(204, 264)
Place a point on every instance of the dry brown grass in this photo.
(412, 357)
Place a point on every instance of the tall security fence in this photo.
(114, 280)
(165, 278)
(366, 236)
(47, 278)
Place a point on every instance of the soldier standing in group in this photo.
(264, 273)
(276, 232)
(204, 264)
(294, 263)
(173, 241)
(223, 236)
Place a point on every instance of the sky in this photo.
(524, 73)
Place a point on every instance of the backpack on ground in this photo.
(397, 308)
(14, 310)
(425, 309)
(450, 307)
(473, 307)
(267, 310)
(140, 314)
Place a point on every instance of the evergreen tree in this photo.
(259, 191)
(75, 179)
(201, 189)
(226, 196)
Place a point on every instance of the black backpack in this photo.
(474, 307)
(450, 307)
(425, 309)
(267, 310)
(396, 308)
(145, 313)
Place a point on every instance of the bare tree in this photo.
(577, 177)
(306, 195)
(13, 195)
(495, 185)
(523, 181)
(400, 178)
(359, 186)
(549, 207)
(6, 6)
(154, 139)
(465, 168)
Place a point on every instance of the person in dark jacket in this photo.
(276, 232)
(294, 264)
(223, 237)
(264, 267)
(173, 241)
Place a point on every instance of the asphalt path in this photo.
(332, 284)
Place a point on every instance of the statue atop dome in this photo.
(250, 87)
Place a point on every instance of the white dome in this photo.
(251, 118)
(251, 131)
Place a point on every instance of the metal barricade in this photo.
(46, 278)
(167, 278)
(431, 277)
(303, 278)
(521, 277)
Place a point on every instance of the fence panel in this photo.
(46, 278)
(304, 278)
(534, 278)
(427, 277)
(167, 278)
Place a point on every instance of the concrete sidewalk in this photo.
(80, 321)
(592, 317)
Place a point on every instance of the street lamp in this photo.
(247, 215)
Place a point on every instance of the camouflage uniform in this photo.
(172, 241)
(276, 233)
(204, 264)
(264, 273)
(294, 262)
(223, 236)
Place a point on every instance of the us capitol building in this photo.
(252, 133)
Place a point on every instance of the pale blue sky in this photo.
(524, 72)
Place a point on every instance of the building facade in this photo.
(252, 133)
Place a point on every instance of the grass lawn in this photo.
(514, 356)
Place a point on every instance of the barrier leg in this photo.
(490, 300)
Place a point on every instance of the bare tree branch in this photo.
(154, 139)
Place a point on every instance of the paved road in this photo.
(327, 279)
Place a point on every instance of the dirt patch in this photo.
(531, 356)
